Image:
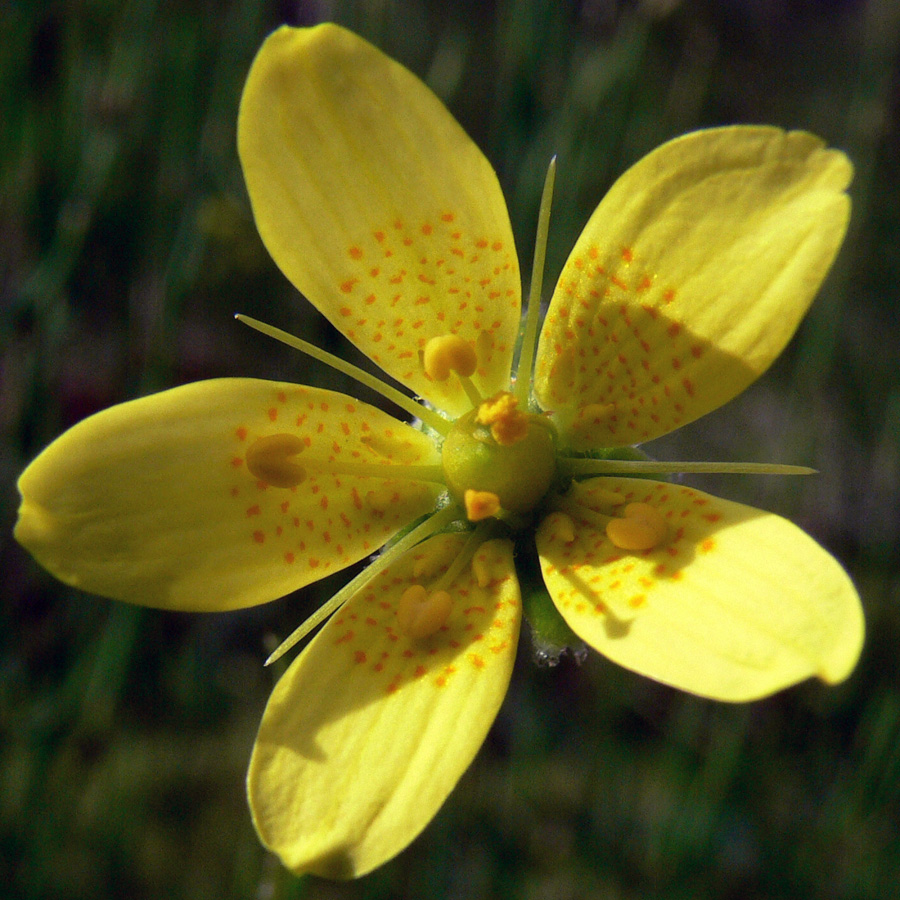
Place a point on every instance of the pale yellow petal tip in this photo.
(840, 662)
(39, 532)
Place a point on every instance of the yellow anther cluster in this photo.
(507, 423)
(271, 459)
(640, 527)
(480, 504)
(420, 614)
(446, 354)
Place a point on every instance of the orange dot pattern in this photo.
(590, 578)
(406, 282)
(615, 356)
(478, 637)
(329, 520)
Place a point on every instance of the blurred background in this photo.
(126, 244)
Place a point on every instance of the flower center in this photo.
(498, 459)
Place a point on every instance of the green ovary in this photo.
(519, 473)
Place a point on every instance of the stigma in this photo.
(501, 413)
(499, 461)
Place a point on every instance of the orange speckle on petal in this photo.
(258, 536)
(355, 252)
(708, 545)
(241, 433)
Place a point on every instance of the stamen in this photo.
(450, 353)
(420, 614)
(642, 527)
(416, 410)
(572, 467)
(472, 392)
(508, 425)
(481, 533)
(637, 526)
(560, 525)
(595, 497)
(480, 505)
(432, 525)
(533, 310)
(271, 459)
(446, 354)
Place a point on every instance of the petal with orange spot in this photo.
(153, 501)
(369, 730)
(733, 604)
(688, 280)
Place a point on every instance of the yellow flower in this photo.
(686, 283)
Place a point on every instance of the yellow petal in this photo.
(369, 730)
(378, 207)
(734, 604)
(688, 280)
(152, 502)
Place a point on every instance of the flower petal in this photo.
(152, 502)
(378, 207)
(688, 280)
(368, 731)
(734, 605)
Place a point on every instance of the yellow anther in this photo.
(593, 414)
(271, 459)
(420, 614)
(480, 505)
(481, 570)
(446, 354)
(507, 423)
(642, 527)
(561, 526)
(596, 498)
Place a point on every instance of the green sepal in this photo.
(551, 637)
(628, 453)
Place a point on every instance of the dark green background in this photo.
(126, 244)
